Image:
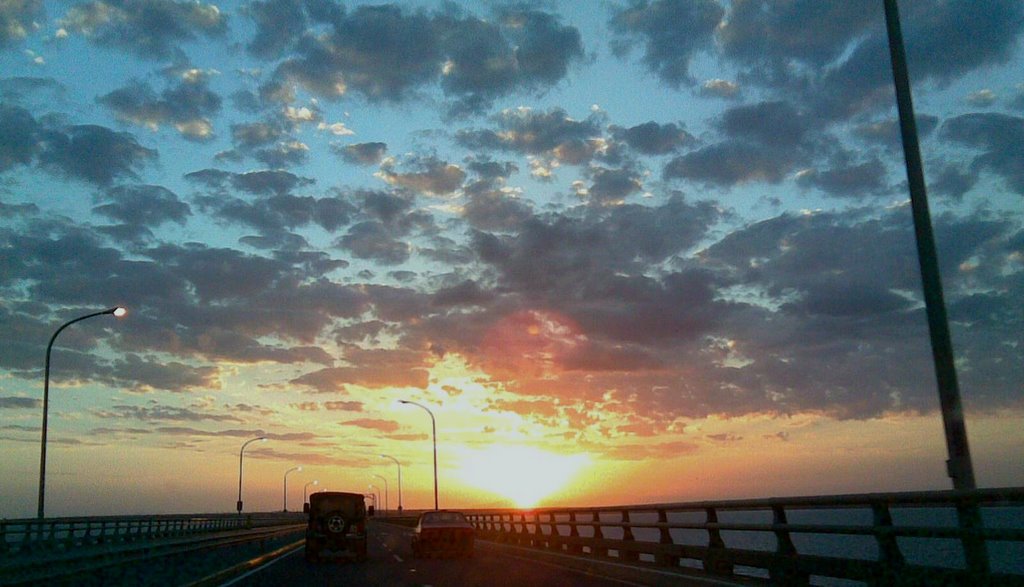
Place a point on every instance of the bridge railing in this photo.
(938, 537)
(26, 537)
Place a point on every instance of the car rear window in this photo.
(347, 505)
(444, 517)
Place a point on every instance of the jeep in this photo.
(337, 526)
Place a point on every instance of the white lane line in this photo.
(398, 558)
(259, 568)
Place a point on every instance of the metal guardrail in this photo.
(21, 537)
(971, 537)
(56, 549)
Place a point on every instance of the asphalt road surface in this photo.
(391, 563)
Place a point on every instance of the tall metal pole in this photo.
(386, 504)
(41, 504)
(305, 499)
(959, 465)
(286, 486)
(399, 481)
(433, 429)
(240, 453)
(376, 497)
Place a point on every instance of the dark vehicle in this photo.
(443, 533)
(337, 526)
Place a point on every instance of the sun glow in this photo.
(523, 474)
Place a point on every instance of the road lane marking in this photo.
(398, 558)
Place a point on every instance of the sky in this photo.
(623, 251)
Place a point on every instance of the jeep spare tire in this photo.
(335, 523)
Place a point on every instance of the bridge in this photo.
(965, 537)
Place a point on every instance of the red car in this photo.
(443, 533)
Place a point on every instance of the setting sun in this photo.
(522, 474)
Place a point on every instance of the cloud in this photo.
(853, 180)
(375, 368)
(725, 437)
(731, 163)
(148, 28)
(390, 54)
(526, 49)
(651, 138)
(720, 88)
(488, 209)
(278, 25)
(258, 183)
(777, 124)
(552, 133)
(93, 153)
(343, 406)
(158, 413)
(611, 186)
(362, 153)
(20, 135)
(143, 205)
(982, 98)
(170, 290)
(146, 374)
(945, 40)
(237, 433)
(256, 134)
(672, 34)
(999, 136)
(467, 293)
(407, 437)
(371, 424)
(275, 215)
(435, 177)
(19, 403)
(90, 153)
(372, 240)
(17, 19)
(187, 106)
(768, 38)
(886, 132)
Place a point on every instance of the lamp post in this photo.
(240, 453)
(958, 466)
(399, 481)
(286, 486)
(386, 504)
(118, 312)
(376, 497)
(305, 487)
(433, 428)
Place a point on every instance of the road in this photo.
(391, 563)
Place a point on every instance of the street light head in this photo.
(299, 469)
(263, 439)
(316, 482)
(119, 311)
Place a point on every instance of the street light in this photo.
(240, 453)
(386, 506)
(118, 312)
(286, 486)
(399, 481)
(433, 428)
(305, 499)
(377, 499)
